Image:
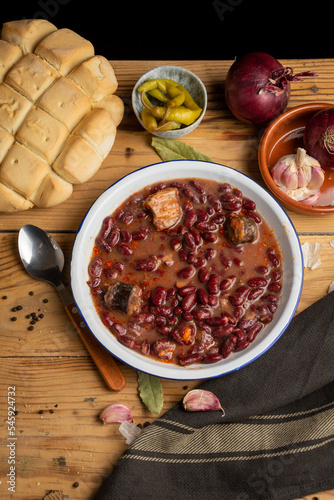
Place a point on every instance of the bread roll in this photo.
(10, 201)
(99, 130)
(95, 77)
(58, 113)
(78, 161)
(64, 49)
(31, 76)
(66, 102)
(27, 33)
(22, 170)
(9, 55)
(43, 134)
(114, 105)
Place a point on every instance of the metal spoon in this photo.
(44, 260)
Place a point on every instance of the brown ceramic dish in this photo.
(283, 136)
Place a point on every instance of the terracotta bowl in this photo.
(283, 136)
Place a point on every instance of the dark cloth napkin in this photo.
(276, 441)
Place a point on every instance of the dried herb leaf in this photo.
(150, 391)
(170, 149)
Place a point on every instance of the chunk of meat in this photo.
(240, 229)
(124, 297)
(165, 207)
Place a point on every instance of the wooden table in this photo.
(59, 442)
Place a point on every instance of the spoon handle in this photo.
(104, 361)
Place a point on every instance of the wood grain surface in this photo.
(60, 444)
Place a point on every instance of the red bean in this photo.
(240, 296)
(274, 287)
(127, 218)
(276, 276)
(212, 358)
(247, 323)
(114, 237)
(190, 194)
(197, 186)
(202, 296)
(225, 261)
(217, 321)
(145, 347)
(129, 342)
(222, 331)
(143, 318)
(119, 329)
(254, 331)
(94, 283)
(255, 293)
(225, 188)
(190, 359)
(213, 300)
(164, 330)
(216, 204)
(139, 235)
(232, 206)
(240, 334)
(218, 219)
(228, 198)
(161, 310)
(164, 348)
(241, 345)
(248, 204)
(253, 215)
(209, 237)
(186, 272)
(199, 262)
(189, 301)
(186, 289)
(230, 319)
(190, 218)
(160, 320)
(119, 266)
(158, 187)
(273, 257)
(201, 314)
(197, 237)
(228, 283)
(257, 282)
(270, 298)
(210, 253)
(107, 318)
(262, 270)
(107, 226)
(213, 284)
(146, 264)
(158, 296)
(95, 268)
(125, 249)
(104, 245)
(206, 226)
(182, 255)
(189, 241)
(126, 236)
(228, 346)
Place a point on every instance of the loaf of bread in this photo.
(58, 113)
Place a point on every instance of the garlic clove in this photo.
(200, 400)
(277, 171)
(317, 178)
(289, 178)
(115, 413)
(130, 431)
(312, 199)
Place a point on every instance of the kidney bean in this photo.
(238, 262)
(186, 272)
(130, 343)
(238, 312)
(240, 296)
(202, 296)
(210, 237)
(217, 321)
(214, 201)
(222, 331)
(228, 346)
(139, 235)
(142, 214)
(190, 359)
(241, 345)
(190, 218)
(255, 293)
(96, 290)
(186, 315)
(275, 276)
(119, 214)
(201, 314)
(274, 287)
(107, 226)
(257, 282)
(160, 320)
(197, 237)
(213, 284)
(119, 266)
(107, 318)
(189, 301)
(104, 245)
(95, 268)
(254, 331)
(189, 241)
(119, 329)
(158, 187)
(158, 296)
(127, 218)
(228, 197)
(206, 226)
(186, 289)
(182, 230)
(272, 299)
(225, 261)
(125, 249)
(225, 188)
(248, 204)
(272, 308)
(262, 270)
(240, 334)
(230, 319)
(95, 283)
(177, 184)
(143, 318)
(164, 330)
(237, 192)
(145, 347)
(147, 264)
(253, 215)
(114, 237)
(203, 275)
(247, 323)
(233, 206)
(202, 215)
(211, 211)
(172, 320)
(199, 262)
(212, 358)
(210, 253)
(190, 194)
(164, 348)
(218, 219)
(182, 255)
(273, 257)
(213, 300)
(227, 283)
(197, 186)
(126, 235)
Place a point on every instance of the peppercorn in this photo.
(4, 297)
(30, 328)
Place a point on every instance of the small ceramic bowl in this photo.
(116, 194)
(283, 136)
(180, 75)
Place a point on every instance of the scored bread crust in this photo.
(58, 113)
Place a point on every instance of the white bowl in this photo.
(266, 205)
(189, 80)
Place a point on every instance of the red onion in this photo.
(258, 87)
(319, 138)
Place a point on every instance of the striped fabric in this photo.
(282, 452)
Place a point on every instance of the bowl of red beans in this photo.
(186, 270)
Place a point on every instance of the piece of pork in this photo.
(124, 297)
(240, 229)
(165, 207)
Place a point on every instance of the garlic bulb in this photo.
(299, 176)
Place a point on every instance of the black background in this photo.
(181, 29)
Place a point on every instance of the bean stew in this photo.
(186, 271)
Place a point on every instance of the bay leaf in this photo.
(170, 149)
(150, 391)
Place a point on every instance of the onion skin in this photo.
(243, 84)
(315, 141)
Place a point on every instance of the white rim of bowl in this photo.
(131, 183)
